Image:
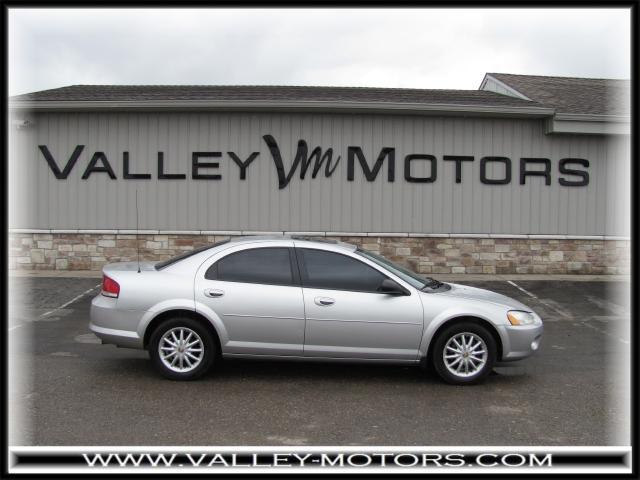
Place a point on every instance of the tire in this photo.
(470, 337)
(168, 332)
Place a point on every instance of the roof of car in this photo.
(197, 256)
(299, 238)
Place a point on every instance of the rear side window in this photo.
(321, 269)
(271, 266)
(182, 256)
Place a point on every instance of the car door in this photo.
(348, 317)
(256, 293)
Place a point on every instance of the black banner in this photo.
(141, 459)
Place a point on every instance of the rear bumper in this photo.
(115, 326)
(520, 342)
(121, 338)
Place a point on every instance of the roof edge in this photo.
(560, 77)
(590, 117)
(391, 107)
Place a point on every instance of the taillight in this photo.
(110, 288)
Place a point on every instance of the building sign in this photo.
(571, 172)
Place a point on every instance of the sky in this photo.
(397, 48)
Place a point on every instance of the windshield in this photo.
(405, 274)
(182, 256)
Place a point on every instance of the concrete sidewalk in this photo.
(444, 277)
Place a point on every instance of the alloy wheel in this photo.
(465, 354)
(181, 349)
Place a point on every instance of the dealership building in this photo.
(527, 174)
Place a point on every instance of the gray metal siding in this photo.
(320, 204)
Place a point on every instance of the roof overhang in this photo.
(588, 124)
(286, 106)
(555, 122)
(570, 123)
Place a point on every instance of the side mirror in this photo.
(390, 287)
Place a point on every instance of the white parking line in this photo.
(64, 305)
(622, 340)
(521, 289)
(545, 303)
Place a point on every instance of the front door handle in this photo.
(213, 292)
(324, 301)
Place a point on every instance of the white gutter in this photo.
(589, 124)
(585, 117)
(587, 127)
(376, 107)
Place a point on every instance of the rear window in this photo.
(182, 256)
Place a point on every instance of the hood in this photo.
(128, 267)
(473, 293)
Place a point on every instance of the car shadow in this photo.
(249, 369)
(274, 371)
(342, 372)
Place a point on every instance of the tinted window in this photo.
(182, 256)
(338, 272)
(259, 265)
(404, 273)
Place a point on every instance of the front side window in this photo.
(321, 269)
(271, 266)
(405, 274)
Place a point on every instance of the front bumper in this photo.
(115, 326)
(520, 342)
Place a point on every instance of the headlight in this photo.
(518, 317)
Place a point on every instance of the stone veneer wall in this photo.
(424, 254)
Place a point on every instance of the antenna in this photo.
(137, 230)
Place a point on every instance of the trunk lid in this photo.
(128, 267)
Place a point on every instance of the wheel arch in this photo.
(178, 312)
(468, 318)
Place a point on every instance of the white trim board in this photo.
(316, 234)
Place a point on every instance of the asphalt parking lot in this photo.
(73, 391)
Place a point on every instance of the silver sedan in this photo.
(302, 299)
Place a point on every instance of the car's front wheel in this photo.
(464, 353)
(182, 349)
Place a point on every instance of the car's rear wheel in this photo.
(182, 349)
(464, 353)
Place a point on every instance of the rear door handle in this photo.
(213, 292)
(324, 301)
